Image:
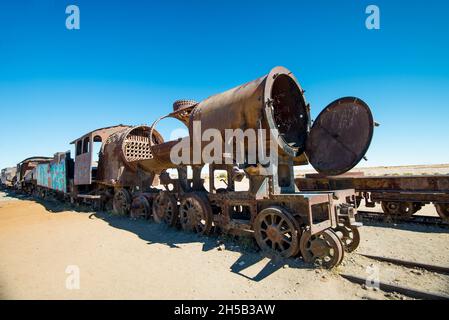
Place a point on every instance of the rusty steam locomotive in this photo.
(136, 173)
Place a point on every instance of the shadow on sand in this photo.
(415, 227)
(153, 233)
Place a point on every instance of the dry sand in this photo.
(123, 259)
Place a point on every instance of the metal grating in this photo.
(137, 148)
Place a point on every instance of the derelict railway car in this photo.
(55, 178)
(113, 180)
(8, 177)
(284, 220)
(26, 174)
(399, 196)
(108, 182)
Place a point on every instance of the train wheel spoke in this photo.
(277, 231)
(196, 214)
(325, 248)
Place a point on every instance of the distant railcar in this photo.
(26, 173)
(8, 177)
(107, 179)
(398, 195)
(55, 176)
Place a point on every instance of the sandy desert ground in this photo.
(123, 259)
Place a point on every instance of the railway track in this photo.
(367, 216)
(404, 290)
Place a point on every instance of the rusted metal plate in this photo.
(434, 184)
(83, 155)
(404, 183)
(83, 169)
(54, 175)
(340, 136)
(424, 189)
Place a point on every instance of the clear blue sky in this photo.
(131, 59)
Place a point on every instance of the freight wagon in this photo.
(398, 195)
(26, 173)
(56, 176)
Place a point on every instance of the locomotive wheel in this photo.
(140, 208)
(443, 210)
(108, 205)
(121, 202)
(324, 248)
(398, 208)
(277, 231)
(106, 202)
(165, 209)
(195, 214)
(350, 237)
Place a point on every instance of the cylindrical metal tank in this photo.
(275, 101)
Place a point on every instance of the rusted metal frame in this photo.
(100, 130)
(367, 216)
(229, 199)
(225, 167)
(223, 219)
(212, 179)
(195, 183)
(421, 184)
(424, 197)
(276, 179)
(417, 184)
(316, 228)
(368, 200)
(342, 198)
(84, 161)
(89, 197)
(251, 203)
(313, 199)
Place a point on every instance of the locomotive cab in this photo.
(86, 168)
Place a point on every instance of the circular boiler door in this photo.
(340, 136)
